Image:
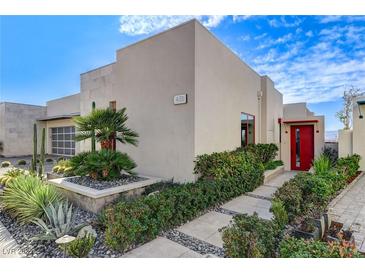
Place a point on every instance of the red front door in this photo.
(301, 147)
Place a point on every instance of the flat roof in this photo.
(59, 117)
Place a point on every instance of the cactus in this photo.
(93, 142)
(42, 156)
(33, 166)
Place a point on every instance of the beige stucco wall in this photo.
(299, 111)
(145, 79)
(65, 105)
(345, 144)
(16, 126)
(272, 110)
(225, 87)
(359, 131)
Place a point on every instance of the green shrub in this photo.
(280, 214)
(49, 160)
(63, 167)
(81, 247)
(321, 165)
(229, 166)
(291, 196)
(318, 189)
(5, 164)
(349, 165)
(264, 152)
(22, 162)
(331, 154)
(10, 175)
(300, 248)
(273, 164)
(249, 237)
(104, 164)
(131, 222)
(27, 196)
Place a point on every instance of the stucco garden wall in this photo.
(17, 127)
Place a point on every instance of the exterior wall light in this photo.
(359, 104)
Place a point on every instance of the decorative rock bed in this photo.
(49, 249)
(78, 190)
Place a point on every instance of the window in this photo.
(247, 129)
(63, 140)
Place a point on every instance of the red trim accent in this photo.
(300, 121)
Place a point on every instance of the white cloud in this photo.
(139, 24)
(309, 33)
(244, 38)
(240, 18)
(285, 21)
(338, 18)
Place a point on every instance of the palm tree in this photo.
(109, 125)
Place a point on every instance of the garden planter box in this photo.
(315, 235)
(95, 200)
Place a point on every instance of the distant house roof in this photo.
(59, 117)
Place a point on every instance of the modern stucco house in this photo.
(186, 94)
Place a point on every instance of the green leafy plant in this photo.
(299, 248)
(81, 247)
(349, 165)
(249, 237)
(273, 164)
(22, 162)
(10, 175)
(63, 167)
(240, 167)
(26, 197)
(5, 164)
(331, 154)
(322, 165)
(60, 221)
(280, 215)
(128, 223)
(264, 152)
(106, 125)
(291, 196)
(33, 165)
(104, 164)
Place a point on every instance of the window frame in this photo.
(59, 140)
(247, 123)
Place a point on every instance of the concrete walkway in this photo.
(204, 230)
(349, 209)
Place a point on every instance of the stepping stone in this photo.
(264, 191)
(281, 179)
(249, 205)
(162, 248)
(206, 227)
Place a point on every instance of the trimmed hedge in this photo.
(132, 222)
(264, 152)
(300, 248)
(250, 237)
(311, 192)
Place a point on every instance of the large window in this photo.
(247, 129)
(63, 140)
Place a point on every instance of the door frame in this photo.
(293, 145)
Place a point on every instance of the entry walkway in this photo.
(201, 237)
(349, 209)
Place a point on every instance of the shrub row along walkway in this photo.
(349, 209)
(201, 237)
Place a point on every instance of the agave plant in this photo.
(60, 221)
(26, 197)
(10, 175)
(108, 125)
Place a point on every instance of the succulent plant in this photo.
(60, 222)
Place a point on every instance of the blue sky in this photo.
(310, 58)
